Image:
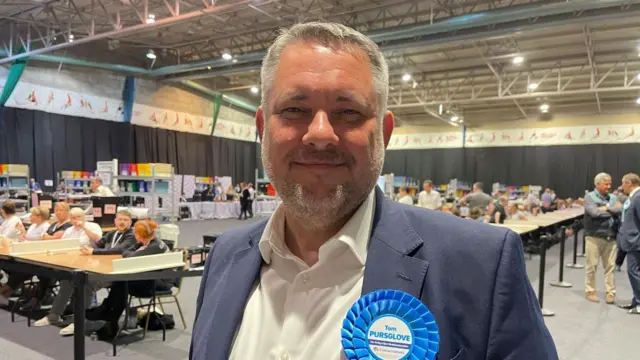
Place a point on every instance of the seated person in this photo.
(548, 207)
(112, 243)
(39, 224)
(114, 305)
(499, 214)
(98, 189)
(513, 213)
(62, 223)
(476, 214)
(535, 211)
(561, 204)
(404, 197)
(11, 226)
(81, 229)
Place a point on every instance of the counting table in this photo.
(68, 264)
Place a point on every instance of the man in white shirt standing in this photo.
(99, 189)
(282, 288)
(429, 198)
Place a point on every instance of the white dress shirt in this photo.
(296, 311)
(9, 227)
(103, 191)
(79, 233)
(429, 200)
(35, 232)
(407, 199)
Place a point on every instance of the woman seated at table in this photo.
(513, 213)
(476, 214)
(62, 223)
(11, 227)
(535, 211)
(39, 225)
(112, 243)
(114, 305)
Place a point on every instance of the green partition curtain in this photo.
(17, 68)
(217, 104)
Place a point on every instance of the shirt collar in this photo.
(633, 192)
(355, 233)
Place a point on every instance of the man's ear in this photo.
(260, 122)
(388, 122)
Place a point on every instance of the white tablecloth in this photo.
(227, 210)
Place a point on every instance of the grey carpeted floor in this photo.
(581, 330)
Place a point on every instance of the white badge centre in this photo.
(390, 338)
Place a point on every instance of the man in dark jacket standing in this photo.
(600, 210)
(629, 238)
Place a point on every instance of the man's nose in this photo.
(320, 133)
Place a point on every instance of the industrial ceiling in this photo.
(450, 60)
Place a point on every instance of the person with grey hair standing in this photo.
(600, 210)
(477, 198)
(629, 238)
(288, 287)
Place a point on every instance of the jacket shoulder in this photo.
(232, 240)
(449, 233)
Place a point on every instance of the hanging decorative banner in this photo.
(568, 135)
(57, 101)
(441, 140)
(389, 325)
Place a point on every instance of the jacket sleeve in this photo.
(633, 232)
(127, 244)
(203, 286)
(516, 330)
(591, 208)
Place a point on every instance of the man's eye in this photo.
(292, 110)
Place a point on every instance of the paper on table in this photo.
(109, 209)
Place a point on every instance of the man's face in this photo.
(428, 187)
(626, 186)
(95, 184)
(122, 222)
(77, 221)
(604, 186)
(323, 147)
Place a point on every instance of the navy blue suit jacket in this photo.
(470, 275)
(629, 234)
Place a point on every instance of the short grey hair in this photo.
(125, 212)
(600, 178)
(427, 182)
(326, 34)
(478, 185)
(98, 179)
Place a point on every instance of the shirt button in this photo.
(284, 356)
(305, 279)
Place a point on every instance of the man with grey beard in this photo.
(281, 288)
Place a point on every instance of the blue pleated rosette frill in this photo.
(380, 303)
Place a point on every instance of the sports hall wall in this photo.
(68, 120)
(564, 154)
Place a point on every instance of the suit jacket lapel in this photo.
(240, 279)
(389, 262)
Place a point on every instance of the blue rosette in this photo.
(390, 325)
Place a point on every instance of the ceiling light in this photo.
(234, 61)
(544, 108)
(406, 77)
(208, 67)
(71, 37)
(254, 90)
(226, 54)
(518, 60)
(440, 109)
(638, 101)
(532, 86)
(151, 18)
(638, 76)
(151, 55)
(455, 118)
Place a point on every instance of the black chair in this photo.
(208, 240)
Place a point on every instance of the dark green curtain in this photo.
(17, 68)
(217, 104)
